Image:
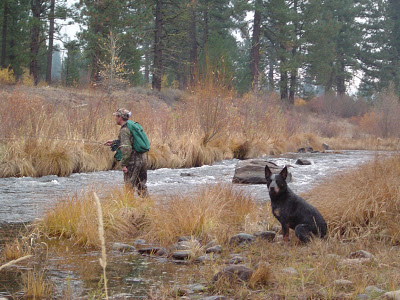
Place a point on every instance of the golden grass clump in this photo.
(75, 217)
(36, 286)
(15, 249)
(212, 213)
(362, 202)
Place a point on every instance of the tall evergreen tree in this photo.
(334, 38)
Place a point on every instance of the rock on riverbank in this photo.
(252, 171)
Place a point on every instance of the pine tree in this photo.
(334, 37)
(380, 50)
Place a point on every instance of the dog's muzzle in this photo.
(273, 188)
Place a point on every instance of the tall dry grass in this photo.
(36, 285)
(75, 217)
(210, 213)
(59, 131)
(362, 202)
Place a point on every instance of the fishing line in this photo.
(49, 138)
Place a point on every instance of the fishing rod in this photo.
(49, 138)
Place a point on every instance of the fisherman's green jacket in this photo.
(126, 138)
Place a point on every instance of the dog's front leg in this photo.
(285, 232)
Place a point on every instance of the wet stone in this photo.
(373, 290)
(183, 291)
(301, 150)
(395, 295)
(361, 254)
(218, 297)
(326, 146)
(182, 255)
(116, 296)
(133, 280)
(266, 235)
(303, 162)
(252, 171)
(240, 272)
(343, 282)
(354, 261)
(211, 244)
(241, 238)
(185, 245)
(186, 174)
(216, 249)
(123, 247)
(139, 242)
(196, 287)
(235, 260)
(204, 258)
(159, 251)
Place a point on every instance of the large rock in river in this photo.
(252, 171)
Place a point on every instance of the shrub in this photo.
(344, 106)
(7, 76)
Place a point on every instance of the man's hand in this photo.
(124, 169)
(109, 143)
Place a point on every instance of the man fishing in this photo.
(131, 147)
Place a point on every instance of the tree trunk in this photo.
(283, 85)
(193, 45)
(157, 67)
(36, 8)
(205, 25)
(340, 78)
(293, 83)
(293, 78)
(51, 41)
(271, 83)
(294, 70)
(97, 30)
(255, 45)
(146, 63)
(4, 36)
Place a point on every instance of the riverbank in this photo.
(361, 215)
(50, 131)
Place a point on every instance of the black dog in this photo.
(293, 211)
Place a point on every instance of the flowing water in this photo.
(24, 199)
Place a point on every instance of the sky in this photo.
(70, 30)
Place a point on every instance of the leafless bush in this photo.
(344, 106)
(387, 112)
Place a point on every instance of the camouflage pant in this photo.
(136, 177)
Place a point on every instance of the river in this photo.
(24, 199)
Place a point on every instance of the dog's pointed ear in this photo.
(284, 173)
(268, 172)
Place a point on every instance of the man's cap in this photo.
(123, 113)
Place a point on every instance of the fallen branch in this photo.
(15, 261)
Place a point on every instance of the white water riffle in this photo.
(23, 199)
